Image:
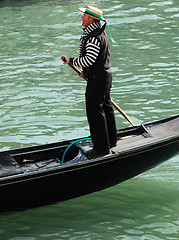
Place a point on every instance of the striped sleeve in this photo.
(92, 52)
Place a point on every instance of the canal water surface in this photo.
(42, 101)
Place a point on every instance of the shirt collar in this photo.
(90, 28)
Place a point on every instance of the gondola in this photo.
(59, 171)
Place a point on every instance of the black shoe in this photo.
(113, 145)
(94, 153)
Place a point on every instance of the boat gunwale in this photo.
(39, 173)
(115, 155)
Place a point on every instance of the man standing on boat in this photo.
(94, 55)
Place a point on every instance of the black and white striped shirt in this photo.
(92, 48)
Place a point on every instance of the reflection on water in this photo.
(42, 101)
(131, 210)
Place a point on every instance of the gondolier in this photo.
(94, 58)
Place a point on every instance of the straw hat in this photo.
(92, 12)
(97, 14)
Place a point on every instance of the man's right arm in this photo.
(92, 52)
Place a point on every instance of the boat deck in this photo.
(158, 132)
(132, 139)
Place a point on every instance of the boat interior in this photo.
(51, 156)
(74, 151)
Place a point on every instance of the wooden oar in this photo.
(122, 112)
(113, 103)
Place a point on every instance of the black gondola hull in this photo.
(37, 187)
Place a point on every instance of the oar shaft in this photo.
(76, 70)
(122, 112)
(113, 103)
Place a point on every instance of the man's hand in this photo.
(65, 59)
(81, 74)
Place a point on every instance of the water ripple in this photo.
(42, 101)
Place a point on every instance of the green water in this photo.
(42, 101)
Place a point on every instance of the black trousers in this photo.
(100, 113)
